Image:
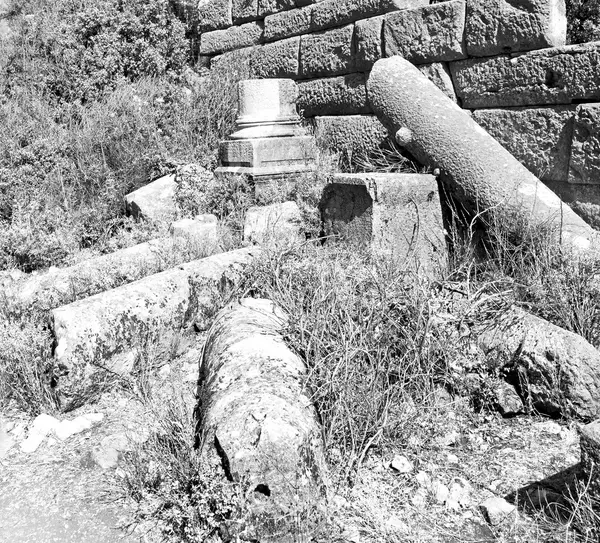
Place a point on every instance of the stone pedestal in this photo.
(270, 145)
(395, 214)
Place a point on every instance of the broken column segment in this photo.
(257, 418)
(270, 144)
(477, 170)
(395, 214)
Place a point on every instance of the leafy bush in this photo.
(583, 18)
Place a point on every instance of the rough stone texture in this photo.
(233, 60)
(439, 74)
(345, 95)
(548, 76)
(235, 37)
(585, 151)
(257, 419)
(214, 15)
(327, 53)
(278, 59)
(429, 34)
(244, 11)
(369, 44)
(558, 372)
(583, 199)
(540, 138)
(474, 167)
(497, 511)
(268, 7)
(273, 223)
(397, 214)
(289, 23)
(154, 201)
(590, 457)
(59, 286)
(507, 401)
(352, 134)
(499, 26)
(110, 331)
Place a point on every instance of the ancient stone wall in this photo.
(507, 63)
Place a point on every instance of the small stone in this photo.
(155, 201)
(67, 428)
(165, 371)
(440, 492)
(402, 464)
(459, 495)
(551, 427)
(451, 438)
(108, 453)
(423, 478)
(42, 425)
(452, 459)
(497, 510)
(508, 401)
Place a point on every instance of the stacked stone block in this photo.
(504, 60)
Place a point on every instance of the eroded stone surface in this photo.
(214, 15)
(154, 201)
(352, 134)
(549, 76)
(497, 26)
(327, 53)
(268, 7)
(439, 74)
(540, 137)
(278, 59)
(369, 43)
(584, 167)
(244, 11)
(429, 34)
(235, 37)
(345, 95)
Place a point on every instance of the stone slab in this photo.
(244, 11)
(294, 151)
(214, 15)
(369, 42)
(154, 201)
(327, 53)
(110, 331)
(439, 74)
(395, 214)
(287, 24)
(350, 134)
(549, 76)
(429, 34)
(539, 138)
(496, 27)
(584, 167)
(235, 37)
(333, 96)
(277, 59)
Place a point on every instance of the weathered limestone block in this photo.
(499, 26)
(558, 372)
(214, 15)
(154, 201)
(327, 53)
(475, 168)
(439, 74)
(257, 419)
(278, 59)
(244, 11)
(590, 457)
(429, 34)
(59, 286)
(233, 60)
(585, 151)
(235, 37)
(548, 76)
(583, 199)
(289, 23)
(395, 214)
(334, 96)
(110, 331)
(369, 43)
(354, 134)
(539, 138)
(275, 223)
(268, 7)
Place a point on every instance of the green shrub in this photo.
(583, 20)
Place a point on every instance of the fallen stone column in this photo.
(257, 418)
(557, 371)
(479, 172)
(144, 320)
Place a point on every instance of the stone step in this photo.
(144, 321)
(59, 286)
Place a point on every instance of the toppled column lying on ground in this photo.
(476, 169)
(256, 415)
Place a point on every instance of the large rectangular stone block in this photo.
(214, 15)
(540, 137)
(334, 96)
(354, 135)
(330, 14)
(585, 151)
(395, 214)
(235, 37)
(548, 76)
(327, 53)
(368, 35)
(244, 11)
(499, 26)
(277, 59)
(268, 7)
(429, 34)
